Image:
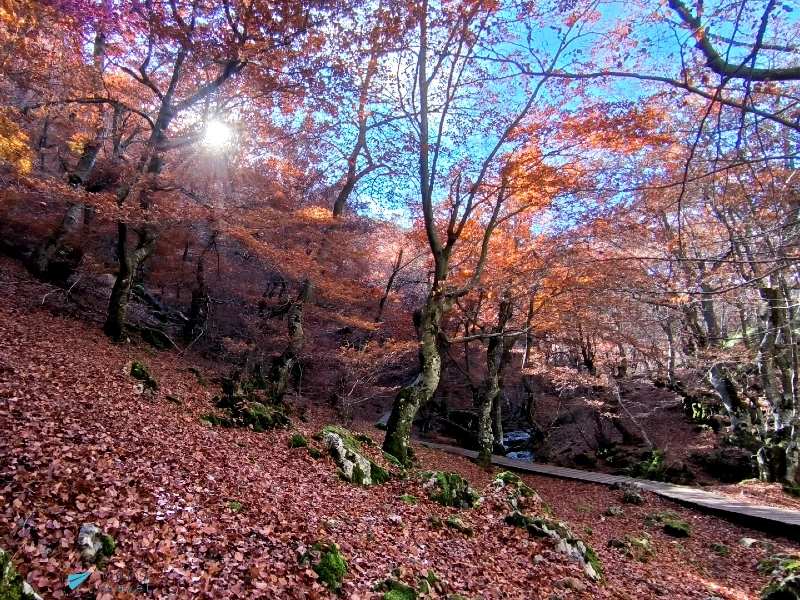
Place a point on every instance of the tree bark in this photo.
(198, 310)
(414, 396)
(284, 364)
(129, 262)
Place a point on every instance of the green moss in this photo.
(650, 467)
(378, 474)
(507, 477)
(108, 544)
(11, 581)
(140, 371)
(457, 523)
(538, 526)
(365, 439)
(199, 374)
(217, 421)
(174, 400)
(236, 506)
(409, 499)
(435, 521)
(672, 524)
(315, 453)
(332, 567)
(298, 441)
(720, 549)
(392, 460)
(588, 530)
(400, 591)
(584, 507)
(614, 511)
(358, 477)
(348, 438)
(591, 557)
(450, 489)
(634, 548)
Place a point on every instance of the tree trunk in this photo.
(129, 262)
(415, 395)
(498, 351)
(48, 251)
(724, 385)
(198, 311)
(284, 364)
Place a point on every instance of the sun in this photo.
(218, 135)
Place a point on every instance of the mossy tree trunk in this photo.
(414, 396)
(778, 460)
(284, 364)
(129, 261)
(498, 354)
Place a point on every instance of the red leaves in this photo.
(159, 482)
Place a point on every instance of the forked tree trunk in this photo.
(415, 395)
(129, 262)
(498, 351)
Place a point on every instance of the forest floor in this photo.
(80, 445)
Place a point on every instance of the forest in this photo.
(281, 279)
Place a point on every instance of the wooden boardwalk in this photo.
(779, 521)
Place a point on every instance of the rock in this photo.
(784, 589)
(571, 583)
(539, 559)
(632, 495)
(353, 466)
(94, 545)
(12, 584)
(449, 489)
(457, 523)
(671, 523)
(576, 550)
(614, 511)
(748, 542)
(516, 440)
(729, 465)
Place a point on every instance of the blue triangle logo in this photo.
(76, 579)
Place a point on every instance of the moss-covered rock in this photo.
(393, 461)
(174, 399)
(435, 521)
(614, 511)
(538, 526)
(12, 585)
(298, 441)
(315, 453)
(138, 370)
(409, 499)
(397, 590)
(720, 549)
(449, 489)
(353, 466)
(199, 375)
(365, 439)
(787, 588)
(634, 548)
(508, 478)
(332, 567)
(216, 420)
(458, 523)
(671, 523)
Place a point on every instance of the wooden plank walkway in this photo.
(779, 521)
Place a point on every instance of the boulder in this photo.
(346, 453)
(449, 489)
(12, 584)
(93, 545)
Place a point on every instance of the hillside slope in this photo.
(80, 445)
